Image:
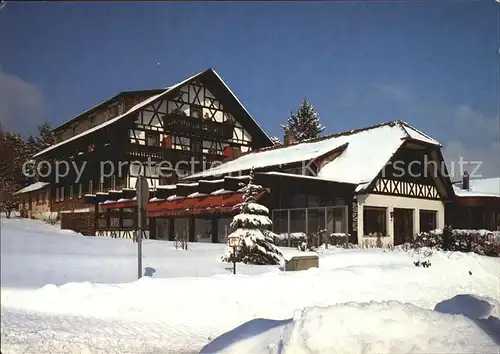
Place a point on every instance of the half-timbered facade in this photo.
(161, 134)
(379, 184)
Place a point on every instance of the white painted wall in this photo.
(391, 202)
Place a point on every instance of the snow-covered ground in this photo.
(62, 292)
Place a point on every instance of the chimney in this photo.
(465, 181)
(288, 138)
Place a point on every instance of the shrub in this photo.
(483, 242)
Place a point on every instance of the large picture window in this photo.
(374, 221)
(203, 230)
(427, 220)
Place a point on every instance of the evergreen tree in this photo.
(11, 148)
(14, 153)
(252, 224)
(44, 139)
(304, 123)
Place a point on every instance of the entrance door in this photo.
(403, 226)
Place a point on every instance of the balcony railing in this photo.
(195, 126)
(158, 153)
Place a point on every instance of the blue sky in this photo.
(435, 65)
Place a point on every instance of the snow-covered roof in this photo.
(483, 187)
(32, 187)
(113, 120)
(102, 125)
(166, 186)
(144, 103)
(366, 152)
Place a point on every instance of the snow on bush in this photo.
(483, 242)
(49, 217)
(252, 225)
(373, 327)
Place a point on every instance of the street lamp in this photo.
(234, 242)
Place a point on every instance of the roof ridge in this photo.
(321, 138)
(406, 124)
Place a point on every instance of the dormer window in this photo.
(196, 112)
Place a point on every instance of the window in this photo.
(196, 112)
(57, 194)
(427, 220)
(168, 179)
(374, 221)
(195, 146)
(62, 193)
(152, 138)
(80, 190)
(90, 187)
(71, 192)
(113, 111)
(203, 230)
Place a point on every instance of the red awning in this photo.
(118, 205)
(209, 204)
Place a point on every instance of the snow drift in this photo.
(373, 327)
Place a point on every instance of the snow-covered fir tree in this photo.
(253, 225)
(304, 123)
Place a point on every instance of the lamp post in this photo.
(234, 242)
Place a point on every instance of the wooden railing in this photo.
(195, 126)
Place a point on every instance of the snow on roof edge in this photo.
(293, 175)
(131, 110)
(32, 187)
(482, 190)
(203, 174)
(430, 139)
(241, 104)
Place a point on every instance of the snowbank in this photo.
(373, 327)
(63, 292)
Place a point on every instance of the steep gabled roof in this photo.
(255, 128)
(151, 92)
(365, 153)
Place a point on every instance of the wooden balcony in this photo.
(159, 153)
(143, 152)
(197, 127)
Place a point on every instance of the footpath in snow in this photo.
(62, 292)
